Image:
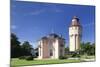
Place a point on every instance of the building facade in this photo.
(75, 33)
(51, 46)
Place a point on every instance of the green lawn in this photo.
(16, 62)
(87, 57)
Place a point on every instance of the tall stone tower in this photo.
(75, 30)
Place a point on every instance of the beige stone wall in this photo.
(61, 47)
(78, 42)
(72, 43)
(56, 49)
(53, 44)
(45, 49)
(40, 49)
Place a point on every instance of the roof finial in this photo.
(75, 17)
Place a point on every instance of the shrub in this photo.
(26, 57)
(22, 57)
(29, 58)
(75, 55)
(62, 57)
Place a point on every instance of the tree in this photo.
(26, 48)
(93, 48)
(66, 50)
(87, 48)
(15, 47)
(36, 52)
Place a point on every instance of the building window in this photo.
(51, 52)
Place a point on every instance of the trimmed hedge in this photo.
(75, 55)
(63, 57)
(27, 57)
(22, 57)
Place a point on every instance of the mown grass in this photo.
(87, 57)
(15, 62)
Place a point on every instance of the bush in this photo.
(26, 57)
(22, 57)
(29, 58)
(62, 57)
(75, 55)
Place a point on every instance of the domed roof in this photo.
(44, 38)
(75, 21)
(53, 35)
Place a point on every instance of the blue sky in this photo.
(32, 20)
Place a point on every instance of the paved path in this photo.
(88, 59)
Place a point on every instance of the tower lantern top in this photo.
(75, 21)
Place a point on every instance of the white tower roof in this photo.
(75, 21)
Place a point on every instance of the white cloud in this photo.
(13, 27)
(37, 12)
(58, 10)
(89, 24)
